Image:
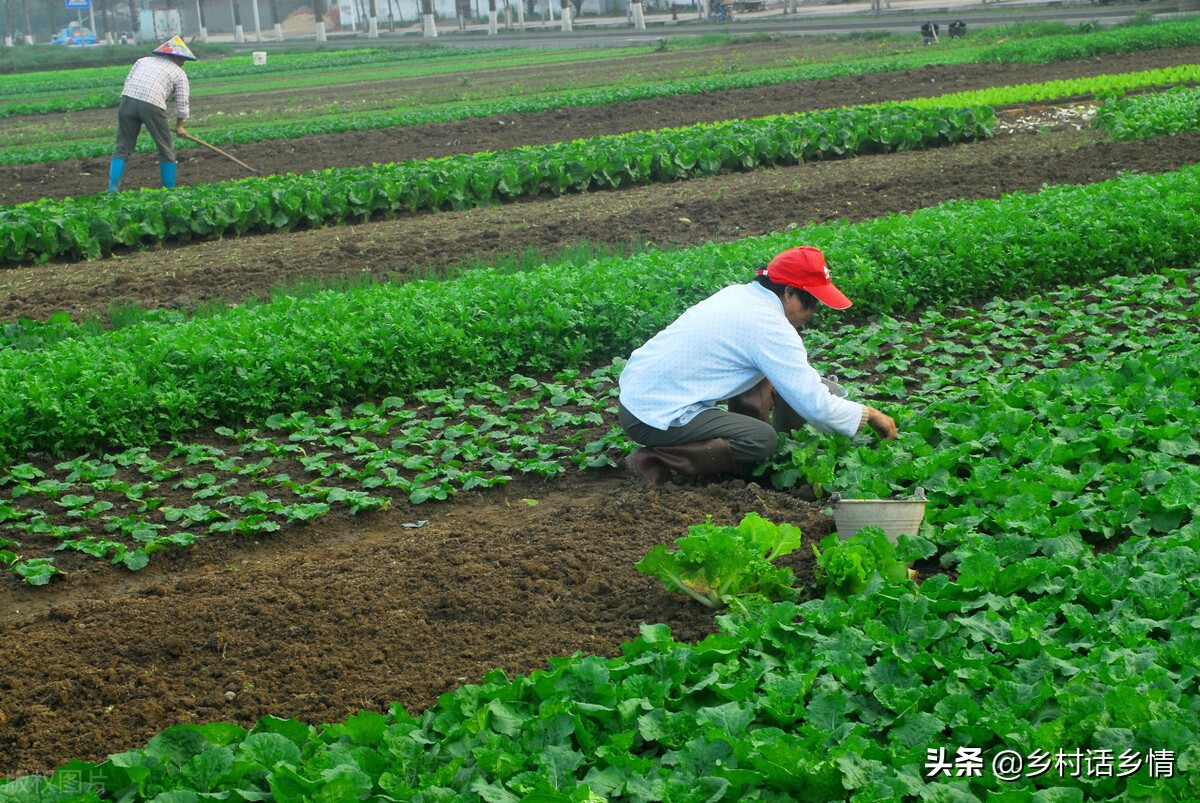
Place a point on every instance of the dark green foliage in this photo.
(92, 226)
(151, 382)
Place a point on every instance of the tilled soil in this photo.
(1047, 150)
(21, 183)
(352, 613)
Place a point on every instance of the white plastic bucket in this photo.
(260, 57)
(896, 516)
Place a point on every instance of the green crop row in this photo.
(1086, 45)
(481, 434)
(127, 505)
(1050, 459)
(72, 81)
(95, 225)
(1147, 116)
(868, 699)
(240, 76)
(1038, 646)
(339, 123)
(1099, 86)
(1080, 664)
(1176, 33)
(146, 383)
(903, 363)
(1122, 40)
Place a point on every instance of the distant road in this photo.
(811, 20)
(907, 20)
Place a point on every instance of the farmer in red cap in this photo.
(151, 82)
(743, 345)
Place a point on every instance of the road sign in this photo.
(79, 4)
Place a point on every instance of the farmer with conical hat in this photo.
(151, 82)
(741, 344)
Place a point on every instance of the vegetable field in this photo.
(372, 542)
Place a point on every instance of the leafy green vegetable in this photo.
(151, 382)
(95, 225)
(866, 561)
(35, 571)
(718, 565)
(829, 700)
(1140, 117)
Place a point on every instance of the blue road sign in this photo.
(79, 4)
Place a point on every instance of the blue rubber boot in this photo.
(167, 171)
(115, 171)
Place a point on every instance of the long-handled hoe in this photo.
(229, 156)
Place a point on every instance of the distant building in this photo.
(344, 15)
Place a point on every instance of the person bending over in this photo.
(151, 82)
(742, 344)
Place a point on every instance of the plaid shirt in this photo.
(154, 79)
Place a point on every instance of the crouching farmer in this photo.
(741, 344)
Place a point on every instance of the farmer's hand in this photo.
(179, 129)
(885, 425)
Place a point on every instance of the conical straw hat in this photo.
(175, 47)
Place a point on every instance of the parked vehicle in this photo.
(720, 12)
(74, 35)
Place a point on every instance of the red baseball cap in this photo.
(804, 267)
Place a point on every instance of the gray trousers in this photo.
(131, 116)
(752, 440)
